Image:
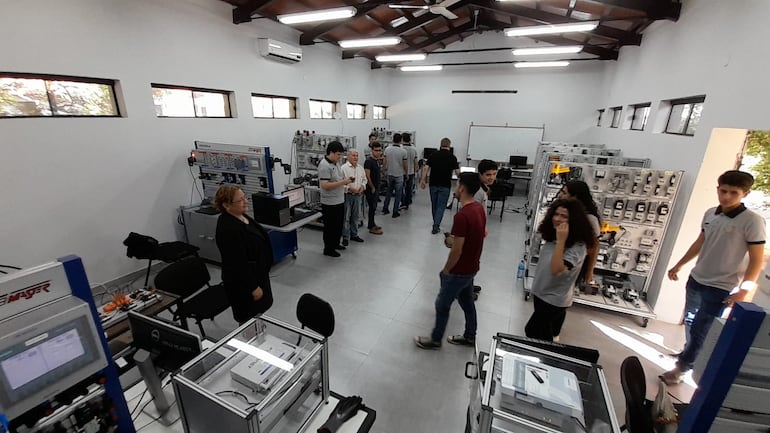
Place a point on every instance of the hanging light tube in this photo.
(400, 57)
(422, 68)
(371, 42)
(315, 16)
(560, 63)
(567, 49)
(551, 29)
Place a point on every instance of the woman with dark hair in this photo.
(567, 233)
(578, 190)
(246, 255)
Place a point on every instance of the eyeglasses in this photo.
(243, 199)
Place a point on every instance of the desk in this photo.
(119, 336)
(520, 174)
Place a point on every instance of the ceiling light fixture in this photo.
(400, 57)
(421, 68)
(560, 63)
(315, 16)
(550, 29)
(567, 49)
(371, 42)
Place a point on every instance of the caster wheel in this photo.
(526, 296)
(645, 321)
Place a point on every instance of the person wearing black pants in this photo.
(372, 170)
(332, 185)
(545, 320)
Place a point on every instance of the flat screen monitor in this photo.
(467, 169)
(517, 161)
(296, 196)
(428, 151)
(171, 347)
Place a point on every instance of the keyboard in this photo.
(301, 214)
(208, 210)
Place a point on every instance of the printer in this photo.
(271, 209)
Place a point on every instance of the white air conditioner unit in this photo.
(279, 51)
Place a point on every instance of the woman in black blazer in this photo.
(246, 255)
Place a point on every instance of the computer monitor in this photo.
(296, 196)
(517, 161)
(170, 347)
(428, 151)
(467, 169)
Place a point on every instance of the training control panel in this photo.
(226, 164)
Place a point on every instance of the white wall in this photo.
(716, 48)
(78, 186)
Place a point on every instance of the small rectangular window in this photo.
(616, 111)
(640, 116)
(29, 95)
(685, 115)
(273, 107)
(175, 101)
(322, 109)
(599, 119)
(356, 111)
(379, 112)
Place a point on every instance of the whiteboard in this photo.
(499, 142)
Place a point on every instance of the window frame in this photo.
(645, 119)
(292, 100)
(616, 113)
(384, 112)
(601, 114)
(363, 110)
(227, 94)
(693, 100)
(310, 110)
(52, 77)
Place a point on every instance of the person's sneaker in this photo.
(461, 340)
(404, 207)
(356, 239)
(332, 253)
(672, 377)
(339, 247)
(375, 230)
(345, 242)
(426, 343)
(476, 289)
(385, 211)
(435, 230)
(395, 215)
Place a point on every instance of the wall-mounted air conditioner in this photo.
(279, 51)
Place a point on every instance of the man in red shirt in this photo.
(461, 266)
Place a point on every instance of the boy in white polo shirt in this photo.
(728, 232)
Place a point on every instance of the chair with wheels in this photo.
(498, 191)
(189, 279)
(145, 247)
(315, 314)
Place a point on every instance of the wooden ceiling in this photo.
(421, 31)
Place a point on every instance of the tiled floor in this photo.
(382, 292)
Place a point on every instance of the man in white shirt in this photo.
(411, 170)
(353, 194)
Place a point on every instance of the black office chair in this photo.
(504, 174)
(638, 416)
(185, 278)
(147, 247)
(498, 191)
(316, 314)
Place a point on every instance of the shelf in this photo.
(623, 306)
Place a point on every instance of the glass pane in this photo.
(173, 102)
(71, 98)
(678, 118)
(599, 119)
(261, 106)
(210, 104)
(379, 112)
(327, 110)
(640, 118)
(315, 109)
(616, 117)
(23, 97)
(283, 108)
(355, 111)
(694, 118)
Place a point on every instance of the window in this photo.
(379, 112)
(322, 109)
(273, 107)
(685, 115)
(615, 116)
(356, 111)
(641, 114)
(599, 119)
(29, 95)
(175, 101)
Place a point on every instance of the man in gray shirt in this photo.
(332, 185)
(395, 165)
(411, 169)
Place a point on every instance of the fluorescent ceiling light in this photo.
(540, 64)
(314, 16)
(422, 68)
(260, 354)
(371, 42)
(400, 57)
(399, 21)
(567, 49)
(550, 29)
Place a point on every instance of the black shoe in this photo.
(356, 239)
(461, 340)
(427, 343)
(385, 211)
(434, 231)
(404, 207)
(345, 242)
(339, 247)
(395, 215)
(332, 253)
(476, 289)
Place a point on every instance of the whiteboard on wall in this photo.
(499, 142)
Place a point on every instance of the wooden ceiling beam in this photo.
(655, 9)
(362, 9)
(242, 14)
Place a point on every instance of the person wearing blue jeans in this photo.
(729, 232)
(456, 278)
(395, 189)
(439, 195)
(394, 163)
(439, 168)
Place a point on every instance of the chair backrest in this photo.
(316, 314)
(504, 174)
(498, 191)
(638, 416)
(184, 277)
(140, 246)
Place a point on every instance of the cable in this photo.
(157, 418)
(141, 397)
(237, 394)
(195, 184)
(10, 267)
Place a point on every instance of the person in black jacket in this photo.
(246, 255)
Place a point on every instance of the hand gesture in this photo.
(735, 297)
(562, 231)
(257, 293)
(422, 184)
(672, 273)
